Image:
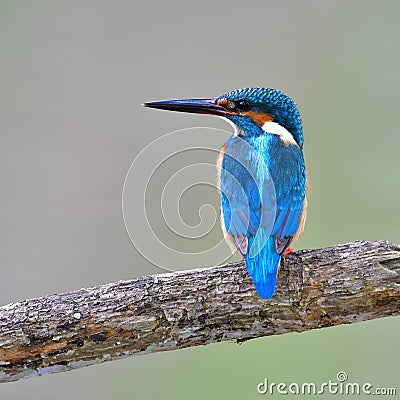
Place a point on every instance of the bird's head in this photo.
(252, 111)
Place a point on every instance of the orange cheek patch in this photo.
(259, 118)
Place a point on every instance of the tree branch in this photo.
(316, 288)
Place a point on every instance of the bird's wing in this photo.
(251, 202)
(289, 174)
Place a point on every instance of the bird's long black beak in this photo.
(197, 106)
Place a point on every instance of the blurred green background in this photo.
(72, 77)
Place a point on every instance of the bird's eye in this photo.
(243, 105)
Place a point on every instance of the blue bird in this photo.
(262, 175)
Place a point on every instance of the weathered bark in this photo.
(316, 288)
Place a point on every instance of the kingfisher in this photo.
(261, 175)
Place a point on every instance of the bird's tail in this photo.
(263, 267)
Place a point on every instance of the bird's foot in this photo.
(288, 251)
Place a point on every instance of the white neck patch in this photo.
(276, 129)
